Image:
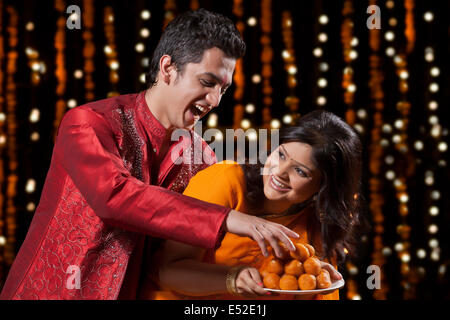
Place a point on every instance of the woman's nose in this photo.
(282, 169)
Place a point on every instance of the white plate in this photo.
(334, 286)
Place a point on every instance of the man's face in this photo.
(198, 89)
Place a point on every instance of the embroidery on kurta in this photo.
(131, 143)
(190, 166)
(76, 236)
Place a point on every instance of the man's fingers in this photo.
(273, 235)
(287, 241)
(284, 238)
(276, 248)
(259, 238)
(269, 237)
(261, 231)
(289, 232)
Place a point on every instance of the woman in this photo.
(309, 183)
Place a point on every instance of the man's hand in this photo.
(260, 230)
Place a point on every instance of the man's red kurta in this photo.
(105, 190)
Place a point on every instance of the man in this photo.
(114, 179)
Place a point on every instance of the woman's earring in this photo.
(321, 216)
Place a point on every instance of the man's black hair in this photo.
(187, 37)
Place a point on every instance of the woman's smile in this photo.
(278, 185)
(289, 176)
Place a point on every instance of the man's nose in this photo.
(213, 97)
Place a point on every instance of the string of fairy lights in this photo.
(399, 174)
(437, 134)
(239, 75)
(376, 200)
(38, 68)
(395, 154)
(376, 149)
(400, 140)
(396, 134)
(89, 50)
(349, 54)
(2, 148)
(60, 69)
(349, 42)
(323, 66)
(110, 50)
(10, 218)
(170, 8)
(250, 107)
(290, 65)
(266, 61)
(140, 48)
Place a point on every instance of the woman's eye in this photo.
(281, 154)
(301, 172)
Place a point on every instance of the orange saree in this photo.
(224, 184)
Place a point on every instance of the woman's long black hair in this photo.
(336, 153)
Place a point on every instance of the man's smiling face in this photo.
(192, 93)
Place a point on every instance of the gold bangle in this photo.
(231, 279)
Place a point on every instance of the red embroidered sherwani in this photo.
(105, 191)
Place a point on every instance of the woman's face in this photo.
(289, 176)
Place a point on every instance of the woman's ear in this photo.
(166, 68)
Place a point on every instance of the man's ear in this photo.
(166, 68)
